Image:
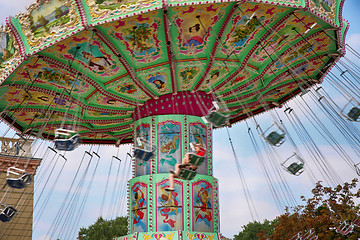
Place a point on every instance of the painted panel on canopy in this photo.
(37, 118)
(126, 88)
(282, 38)
(194, 36)
(197, 133)
(88, 54)
(242, 78)
(243, 31)
(325, 8)
(189, 74)
(105, 115)
(316, 46)
(50, 77)
(103, 135)
(169, 142)
(301, 70)
(100, 11)
(46, 22)
(217, 74)
(16, 96)
(139, 203)
(202, 200)
(9, 52)
(140, 39)
(100, 100)
(143, 131)
(169, 205)
(157, 79)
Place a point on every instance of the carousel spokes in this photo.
(216, 115)
(66, 140)
(351, 110)
(7, 213)
(294, 164)
(274, 135)
(18, 178)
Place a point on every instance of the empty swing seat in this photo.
(7, 213)
(275, 138)
(66, 140)
(295, 168)
(142, 154)
(20, 182)
(216, 118)
(354, 114)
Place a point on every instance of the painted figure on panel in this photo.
(203, 219)
(169, 145)
(169, 204)
(139, 207)
(158, 80)
(91, 55)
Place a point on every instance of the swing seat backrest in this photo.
(354, 113)
(216, 118)
(187, 174)
(195, 159)
(345, 230)
(295, 168)
(275, 138)
(142, 154)
(20, 182)
(67, 144)
(7, 213)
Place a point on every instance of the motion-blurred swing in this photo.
(66, 140)
(294, 164)
(18, 178)
(7, 213)
(216, 116)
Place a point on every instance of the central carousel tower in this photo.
(167, 126)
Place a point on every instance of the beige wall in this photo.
(20, 226)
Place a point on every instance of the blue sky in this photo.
(233, 208)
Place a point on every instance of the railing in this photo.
(16, 147)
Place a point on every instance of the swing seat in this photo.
(275, 138)
(7, 213)
(354, 114)
(67, 144)
(196, 159)
(20, 182)
(216, 118)
(296, 168)
(142, 154)
(345, 230)
(187, 174)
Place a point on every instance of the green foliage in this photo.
(253, 230)
(104, 229)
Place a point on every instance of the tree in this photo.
(256, 230)
(327, 210)
(104, 229)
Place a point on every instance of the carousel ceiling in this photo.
(95, 64)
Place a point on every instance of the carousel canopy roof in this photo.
(99, 65)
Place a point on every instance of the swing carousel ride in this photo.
(161, 75)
